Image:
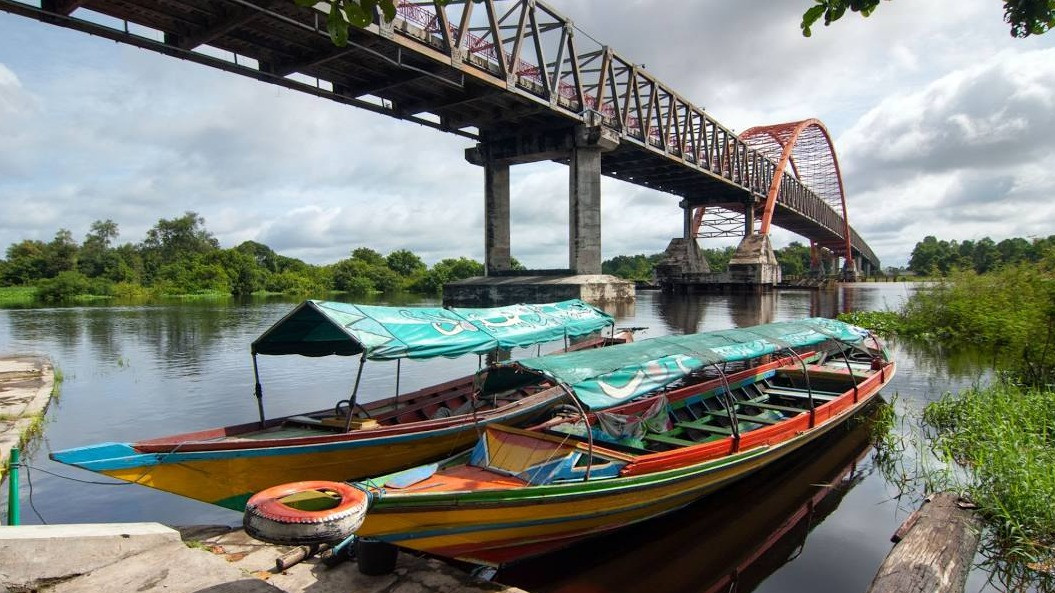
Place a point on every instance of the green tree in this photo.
(1013, 251)
(630, 267)
(368, 256)
(794, 259)
(97, 257)
(264, 256)
(25, 263)
(351, 275)
(926, 257)
(180, 236)
(448, 270)
(60, 254)
(718, 259)
(984, 257)
(405, 263)
(1026, 17)
(244, 274)
(63, 287)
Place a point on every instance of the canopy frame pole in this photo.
(355, 393)
(398, 370)
(809, 390)
(258, 390)
(730, 407)
(850, 369)
(586, 423)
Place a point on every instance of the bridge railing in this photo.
(514, 46)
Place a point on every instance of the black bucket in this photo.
(375, 557)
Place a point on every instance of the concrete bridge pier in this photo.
(754, 265)
(582, 148)
(851, 269)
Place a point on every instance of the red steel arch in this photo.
(807, 147)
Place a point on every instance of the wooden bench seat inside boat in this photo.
(775, 407)
(668, 440)
(759, 419)
(824, 396)
(700, 425)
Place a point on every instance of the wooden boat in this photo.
(775, 510)
(224, 466)
(677, 436)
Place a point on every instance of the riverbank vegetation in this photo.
(179, 258)
(996, 441)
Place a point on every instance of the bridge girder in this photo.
(465, 65)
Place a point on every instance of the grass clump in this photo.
(17, 295)
(883, 323)
(1003, 438)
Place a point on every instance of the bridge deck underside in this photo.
(405, 77)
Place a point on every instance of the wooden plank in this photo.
(766, 406)
(759, 419)
(669, 440)
(821, 396)
(936, 552)
(700, 425)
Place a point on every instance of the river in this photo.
(819, 521)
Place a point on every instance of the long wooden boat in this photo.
(736, 537)
(224, 466)
(524, 492)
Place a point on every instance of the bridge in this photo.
(522, 81)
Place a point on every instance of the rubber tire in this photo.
(267, 519)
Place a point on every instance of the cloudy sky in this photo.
(943, 124)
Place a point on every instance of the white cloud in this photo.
(944, 125)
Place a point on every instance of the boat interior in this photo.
(694, 416)
(559, 450)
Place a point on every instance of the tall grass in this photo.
(996, 443)
(1003, 435)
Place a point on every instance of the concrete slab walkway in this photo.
(146, 557)
(26, 384)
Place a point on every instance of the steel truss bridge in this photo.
(505, 73)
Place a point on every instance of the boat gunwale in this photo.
(689, 463)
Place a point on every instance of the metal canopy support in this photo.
(259, 391)
(355, 393)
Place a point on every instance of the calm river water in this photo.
(821, 521)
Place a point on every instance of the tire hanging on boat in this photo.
(267, 518)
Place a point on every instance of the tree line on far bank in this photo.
(931, 257)
(180, 257)
(794, 261)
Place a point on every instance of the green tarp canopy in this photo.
(606, 377)
(322, 328)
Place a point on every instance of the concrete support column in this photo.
(584, 220)
(749, 219)
(686, 219)
(497, 257)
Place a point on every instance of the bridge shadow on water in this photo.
(732, 540)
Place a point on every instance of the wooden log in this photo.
(935, 552)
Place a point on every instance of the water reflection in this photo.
(753, 309)
(681, 313)
(139, 372)
(730, 541)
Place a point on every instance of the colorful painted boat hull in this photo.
(228, 476)
(495, 523)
